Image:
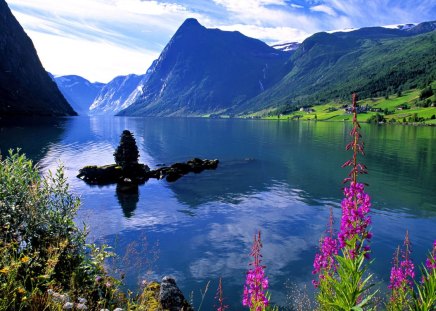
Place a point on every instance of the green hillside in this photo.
(404, 107)
(329, 67)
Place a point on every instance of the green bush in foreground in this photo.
(44, 261)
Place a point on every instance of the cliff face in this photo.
(25, 86)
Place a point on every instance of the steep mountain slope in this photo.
(206, 71)
(78, 91)
(25, 87)
(370, 61)
(118, 94)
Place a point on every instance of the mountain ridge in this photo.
(207, 71)
(25, 87)
(183, 81)
(331, 66)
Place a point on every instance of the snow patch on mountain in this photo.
(117, 95)
(286, 47)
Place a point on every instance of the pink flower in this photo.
(219, 296)
(356, 204)
(325, 260)
(355, 219)
(403, 271)
(256, 282)
(430, 262)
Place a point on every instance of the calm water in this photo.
(279, 177)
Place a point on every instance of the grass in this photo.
(336, 113)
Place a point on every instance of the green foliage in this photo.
(350, 290)
(377, 118)
(426, 93)
(42, 251)
(37, 212)
(36, 217)
(44, 261)
(424, 299)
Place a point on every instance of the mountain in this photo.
(208, 71)
(118, 94)
(25, 87)
(78, 91)
(370, 61)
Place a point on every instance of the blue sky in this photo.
(100, 39)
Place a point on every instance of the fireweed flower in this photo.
(403, 271)
(324, 260)
(256, 282)
(430, 262)
(220, 297)
(402, 275)
(341, 281)
(355, 219)
(356, 204)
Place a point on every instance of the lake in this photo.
(280, 177)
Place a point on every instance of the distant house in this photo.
(359, 109)
(307, 109)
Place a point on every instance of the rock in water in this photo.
(171, 297)
(101, 175)
(126, 155)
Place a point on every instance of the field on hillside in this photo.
(406, 108)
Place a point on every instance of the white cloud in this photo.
(96, 61)
(271, 35)
(324, 9)
(149, 7)
(266, 13)
(361, 13)
(296, 6)
(107, 37)
(98, 39)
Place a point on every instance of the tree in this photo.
(426, 92)
(377, 118)
(399, 92)
(126, 155)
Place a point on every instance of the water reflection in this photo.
(128, 197)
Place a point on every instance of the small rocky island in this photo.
(127, 171)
